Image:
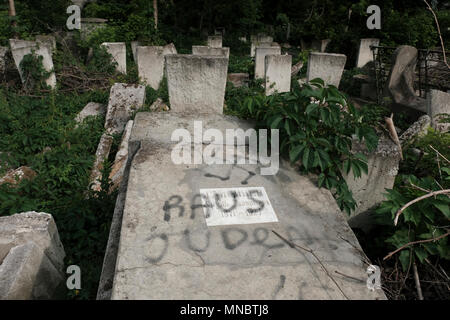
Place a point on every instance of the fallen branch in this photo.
(429, 195)
(393, 133)
(293, 245)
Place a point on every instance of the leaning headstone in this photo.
(278, 73)
(238, 79)
(92, 109)
(400, 83)
(365, 54)
(196, 83)
(209, 51)
(47, 40)
(326, 66)
(124, 99)
(201, 231)
(20, 48)
(134, 45)
(215, 41)
(118, 50)
(31, 257)
(320, 45)
(438, 108)
(260, 62)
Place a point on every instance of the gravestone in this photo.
(256, 44)
(365, 54)
(20, 48)
(92, 109)
(208, 51)
(438, 107)
(134, 45)
(118, 50)
(278, 73)
(150, 61)
(196, 83)
(176, 242)
(327, 66)
(31, 257)
(260, 62)
(215, 41)
(320, 45)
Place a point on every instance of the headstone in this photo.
(438, 107)
(215, 41)
(400, 83)
(92, 109)
(327, 66)
(102, 153)
(260, 55)
(365, 54)
(256, 44)
(47, 40)
(196, 83)
(124, 99)
(238, 79)
(21, 48)
(31, 257)
(278, 73)
(150, 61)
(118, 50)
(134, 45)
(168, 248)
(208, 51)
(320, 45)
(118, 168)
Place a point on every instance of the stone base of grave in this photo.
(168, 249)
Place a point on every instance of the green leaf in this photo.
(421, 254)
(311, 107)
(305, 161)
(404, 258)
(443, 207)
(294, 153)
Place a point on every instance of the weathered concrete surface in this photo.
(21, 48)
(150, 61)
(260, 62)
(92, 109)
(31, 256)
(166, 251)
(320, 45)
(278, 73)
(238, 79)
(124, 99)
(400, 83)
(368, 190)
(327, 66)
(47, 40)
(209, 51)
(365, 54)
(417, 130)
(118, 50)
(14, 177)
(196, 83)
(215, 41)
(134, 45)
(438, 107)
(120, 161)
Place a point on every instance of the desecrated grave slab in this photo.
(167, 250)
(326, 66)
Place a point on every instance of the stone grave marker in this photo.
(438, 107)
(150, 61)
(215, 41)
(134, 45)
(365, 54)
(327, 66)
(260, 62)
(118, 50)
(278, 73)
(208, 51)
(320, 45)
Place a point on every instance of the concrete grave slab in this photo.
(438, 107)
(209, 51)
(260, 62)
(215, 41)
(167, 251)
(21, 48)
(327, 66)
(196, 83)
(278, 73)
(365, 54)
(118, 50)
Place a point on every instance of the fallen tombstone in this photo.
(400, 83)
(278, 73)
(31, 257)
(215, 41)
(365, 53)
(92, 109)
(438, 108)
(209, 51)
(14, 177)
(118, 50)
(196, 83)
(120, 161)
(176, 244)
(150, 61)
(20, 48)
(326, 66)
(260, 62)
(320, 45)
(238, 79)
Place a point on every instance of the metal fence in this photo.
(431, 71)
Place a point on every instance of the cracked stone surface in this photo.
(166, 250)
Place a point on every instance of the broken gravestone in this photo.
(278, 73)
(120, 161)
(118, 51)
(92, 109)
(197, 231)
(260, 59)
(31, 257)
(326, 66)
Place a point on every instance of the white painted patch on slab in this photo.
(227, 206)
